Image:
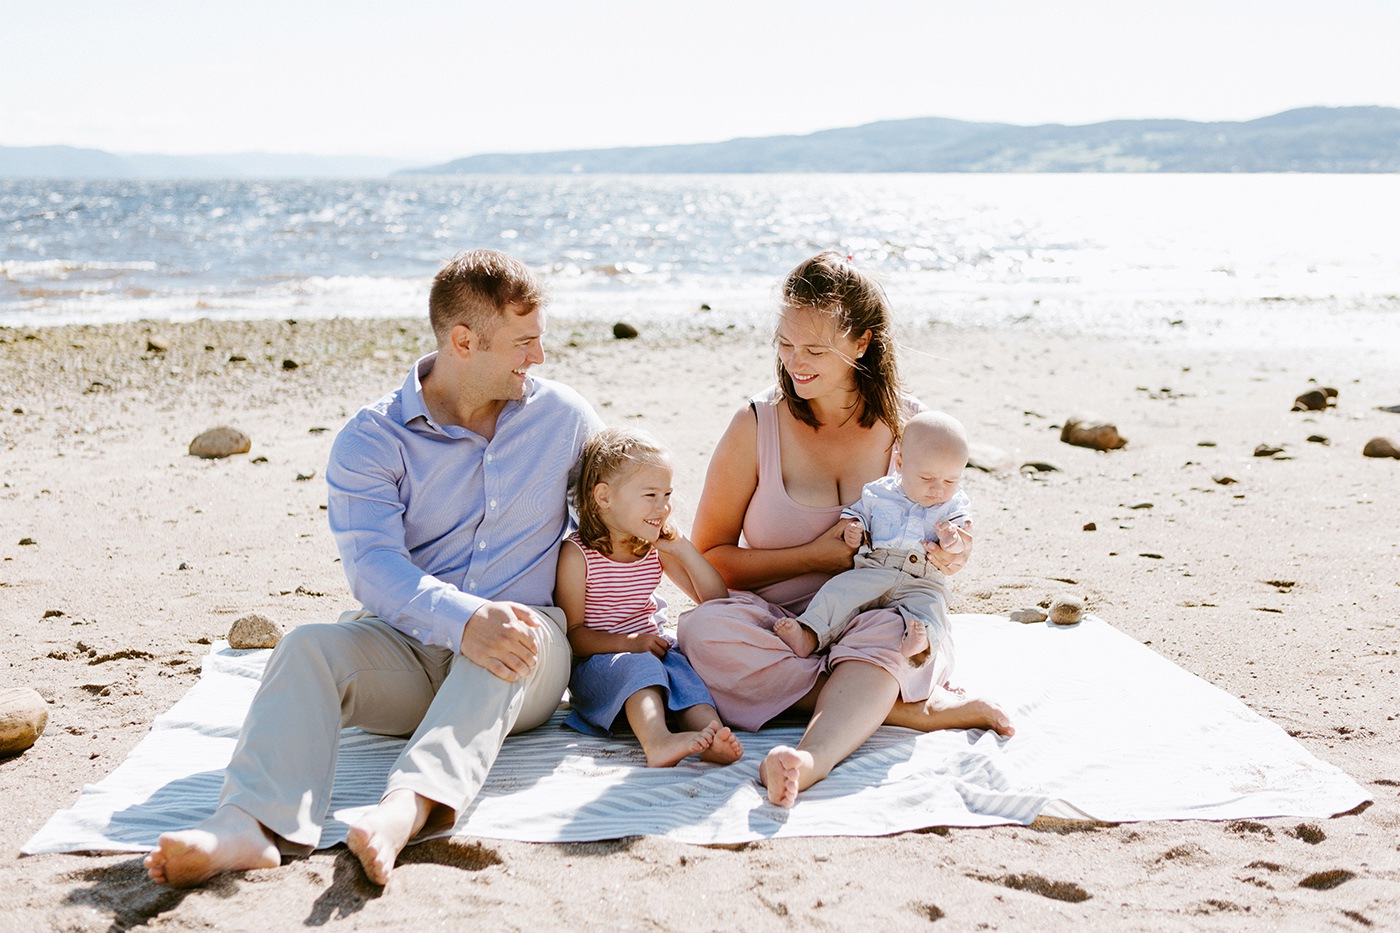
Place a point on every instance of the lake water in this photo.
(1160, 255)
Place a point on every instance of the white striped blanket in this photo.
(1107, 730)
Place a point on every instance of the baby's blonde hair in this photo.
(608, 456)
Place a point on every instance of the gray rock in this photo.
(1067, 609)
(1393, 409)
(222, 441)
(254, 631)
(23, 716)
(1376, 447)
(1088, 431)
(1026, 616)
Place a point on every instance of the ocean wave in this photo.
(17, 269)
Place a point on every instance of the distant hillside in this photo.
(1314, 139)
(70, 162)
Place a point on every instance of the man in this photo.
(447, 502)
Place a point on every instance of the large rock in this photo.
(1067, 609)
(23, 716)
(1091, 432)
(1381, 447)
(254, 631)
(222, 441)
(1316, 399)
(987, 458)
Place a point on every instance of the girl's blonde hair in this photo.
(606, 456)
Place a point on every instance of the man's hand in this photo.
(498, 637)
(854, 533)
(639, 642)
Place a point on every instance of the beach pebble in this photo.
(1087, 431)
(222, 441)
(27, 542)
(1066, 610)
(1027, 615)
(1039, 466)
(254, 631)
(987, 458)
(304, 477)
(624, 331)
(290, 364)
(156, 344)
(1315, 400)
(1376, 447)
(1224, 479)
(1393, 409)
(1091, 526)
(1267, 450)
(1318, 439)
(23, 716)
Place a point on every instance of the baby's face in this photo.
(930, 476)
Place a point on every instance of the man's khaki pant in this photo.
(364, 673)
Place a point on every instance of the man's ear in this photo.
(462, 340)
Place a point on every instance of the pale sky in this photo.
(433, 80)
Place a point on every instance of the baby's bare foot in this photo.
(798, 637)
(915, 640)
(781, 772)
(725, 749)
(379, 836)
(230, 840)
(674, 747)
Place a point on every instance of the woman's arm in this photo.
(730, 482)
(689, 570)
(570, 584)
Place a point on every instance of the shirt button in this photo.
(415, 633)
(493, 503)
(471, 583)
(490, 458)
(913, 559)
(481, 545)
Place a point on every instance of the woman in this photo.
(768, 519)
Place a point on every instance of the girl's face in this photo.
(637, 501)
(820, 359)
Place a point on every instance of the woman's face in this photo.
(820, 359)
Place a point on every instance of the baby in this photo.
(899, 520)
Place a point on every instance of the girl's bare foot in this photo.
(379, 836)
(230, 840)
(798, 637)
(671, 748)
(781, 773)
(725, 749)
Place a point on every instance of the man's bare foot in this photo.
(379, 836)
(230, 840)
(798, 637)
(781, 773)
(946, 709)
(673, 747)
(725, 749)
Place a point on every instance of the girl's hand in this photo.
(639, 642)
(948, 562)
(670, 539)
(832, 552)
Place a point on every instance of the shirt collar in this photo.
(412, 404)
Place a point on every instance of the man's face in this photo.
(514, 346)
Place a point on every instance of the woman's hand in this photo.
(948, 562)
(830, 552)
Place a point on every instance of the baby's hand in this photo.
(854, 533)
(948, 538)
(639, 642)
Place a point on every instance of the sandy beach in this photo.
(1282, 588)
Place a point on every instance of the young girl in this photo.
(608, 573)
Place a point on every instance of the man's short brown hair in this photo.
(474, 288)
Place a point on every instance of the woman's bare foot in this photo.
(668, 750)
(798, 637)
(725, 749)
(230, 840)
(946, 709)
(379, 836)
(781, 773)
